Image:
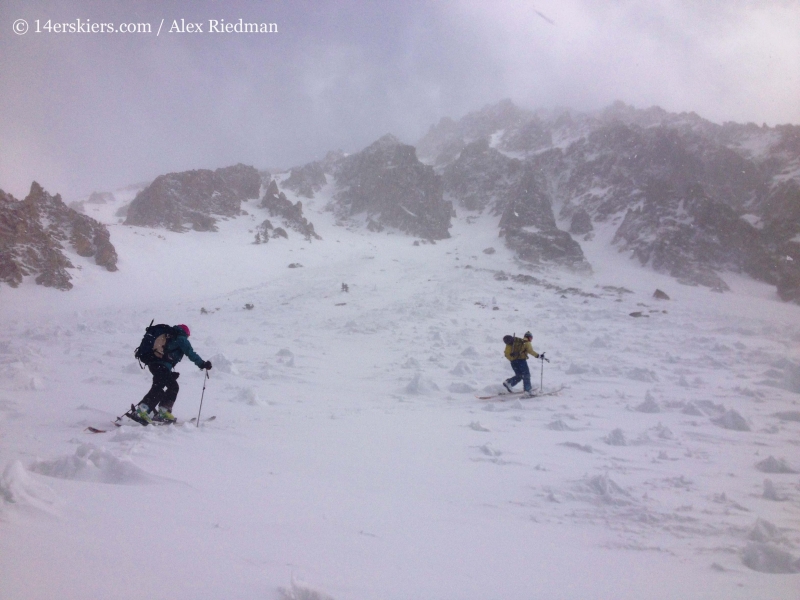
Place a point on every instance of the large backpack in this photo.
(517, 349)
(152, 347)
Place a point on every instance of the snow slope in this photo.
(350, 457)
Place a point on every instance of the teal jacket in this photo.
(176, 348)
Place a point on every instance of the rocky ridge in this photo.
(194, 199)
(686, 196)
(681, 195)
(33, 233)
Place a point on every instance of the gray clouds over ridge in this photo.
(84, 111)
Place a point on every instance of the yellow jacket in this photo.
(520, 350)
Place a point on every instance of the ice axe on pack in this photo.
(541, 380)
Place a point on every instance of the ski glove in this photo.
(206, 365)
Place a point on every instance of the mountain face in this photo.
(680, 194)
(529, 226)
(483, 178)
(192, 199)
(33, 232)
(685, 196)
(309, 179)
(388, 185)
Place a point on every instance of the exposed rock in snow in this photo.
(789, 415)
(476, 426)
(192, 199)
(581, 222)
(529, 227)
(616, 438)
(691, 191)
(32, 237)
(603, 490)
(774, 465)
(770, 493)
(279, 205)
(690, 236)
(266, 232)
(732, 420)
(481, 178)
(388, 185)
(648, 406)
(768, 558)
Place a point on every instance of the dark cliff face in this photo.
(690, 236)
(33, 233)
(484, 178)
(529, 226)
(481, 177)
(192, 199)
(386, 183)
(689, 197)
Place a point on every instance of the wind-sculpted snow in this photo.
(90, 463)
(19, 489)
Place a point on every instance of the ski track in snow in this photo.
(350, 450)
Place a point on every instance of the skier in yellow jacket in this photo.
(517, 351)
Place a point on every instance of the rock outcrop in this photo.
(387, 185)
(482, 178)
(529, 226)
(33, 233)
(684, 196)
(279, 205)
(193, 199)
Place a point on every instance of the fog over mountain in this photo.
(675, 192)
(83, 112)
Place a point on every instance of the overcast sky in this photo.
(91, 111)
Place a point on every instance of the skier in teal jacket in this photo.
(160, 399)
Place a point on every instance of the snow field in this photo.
(350, 454)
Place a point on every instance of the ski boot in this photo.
(163, 415)
(140, 414)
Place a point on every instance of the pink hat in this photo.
(185, 329)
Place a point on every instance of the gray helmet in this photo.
(528, 334)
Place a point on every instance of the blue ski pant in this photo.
(521, 373)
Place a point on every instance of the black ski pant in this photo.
(164, 389)
(521, 373)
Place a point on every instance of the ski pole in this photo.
(541, 380)
(201, 398)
